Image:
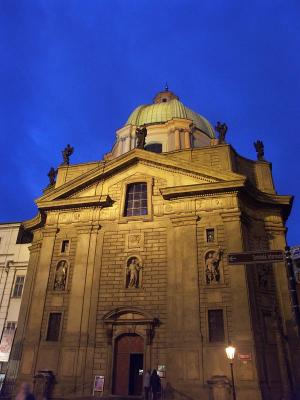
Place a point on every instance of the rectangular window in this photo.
(210, 235)
(216, 326)
(136, 200)
(19, 284)
(65, 246)
(53, 327)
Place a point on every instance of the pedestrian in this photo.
(155, 384)
(24, 392)
(147, 378)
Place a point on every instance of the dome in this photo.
(165, 107)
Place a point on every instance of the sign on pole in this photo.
(256, 257)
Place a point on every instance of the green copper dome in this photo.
(166, 107)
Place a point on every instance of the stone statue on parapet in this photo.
(66, 153)
(52, 175)
(222, 130)
(141, 134)
(260, 150)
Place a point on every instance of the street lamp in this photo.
(230, 351)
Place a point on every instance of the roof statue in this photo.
(260, 150)
(141, 134)
(52, 175)
(66, 153)
(222, 130)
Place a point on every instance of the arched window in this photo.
(154, 147)
(136, 199)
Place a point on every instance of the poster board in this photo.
(98, 384)
(6, 344)
(161, 371)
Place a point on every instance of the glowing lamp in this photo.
(230, 351)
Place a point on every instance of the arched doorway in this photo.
(128, 365)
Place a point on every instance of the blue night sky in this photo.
(72, 71)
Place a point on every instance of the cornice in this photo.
(284, 202)
(201, 189)
(35, 222)
(132, 157)
(79, 202)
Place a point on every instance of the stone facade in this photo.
(202, 203)
(14, 257)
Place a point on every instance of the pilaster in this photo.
(288, 347)
(240, 324)
(79, 334)
(183, 299)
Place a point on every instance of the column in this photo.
(177, 139)
(187, 139)
(127, 144)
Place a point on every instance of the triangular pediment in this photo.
(94, 183)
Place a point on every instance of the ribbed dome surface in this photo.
(166, 111)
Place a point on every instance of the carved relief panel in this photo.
(134, 241)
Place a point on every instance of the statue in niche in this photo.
(212, 266)
(141, 134)
(263, 272)
(260, 150)
(133, 274)
(222, 130)
(60, 276)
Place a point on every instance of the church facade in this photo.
(128, 269)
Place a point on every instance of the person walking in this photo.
(147, 378)
(24, 392)
(155, 384)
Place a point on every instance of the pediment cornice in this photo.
(133, 157)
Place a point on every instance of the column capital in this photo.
(35, 246)
(231, 216)
(184, 220)
(274, 228)
(88, 228)
(50, 231)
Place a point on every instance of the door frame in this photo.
(113, 369)
(140, 323)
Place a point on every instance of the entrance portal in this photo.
(128, 365)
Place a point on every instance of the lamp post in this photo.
(230, 351)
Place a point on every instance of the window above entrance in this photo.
(136, 200)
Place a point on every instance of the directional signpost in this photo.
(256, 257)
